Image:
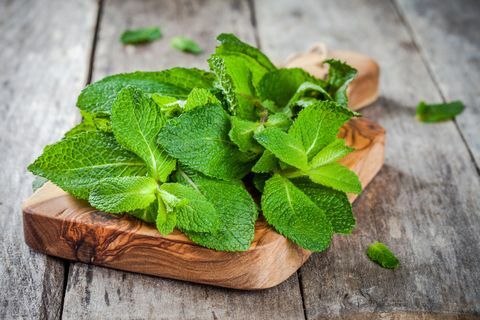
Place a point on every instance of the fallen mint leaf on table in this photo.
(186, 45)
(141, 35)
(381, 254)
(439, 112)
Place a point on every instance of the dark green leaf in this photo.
(141, 35)
(439, 112)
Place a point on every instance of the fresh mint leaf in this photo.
(123, 194)
(170, 107)
(439, 112)
(336, 176)
(317, 125)
(259, 180)
(241, 134)
(307, 93)
(186, 45)
(236, 207)
(339, 77)
(196, 213)
(199, 139)
(284, 146)
(148, 214)
(381, 254)
(176, 82)
(294, 215)
(267, 163)
(166, 219)
(280, 85)
(200, 97)
(231, 45)
(335, 204)
(136, 122)
(336, 150)
(141, 35)
(279, 120)
(77, 163)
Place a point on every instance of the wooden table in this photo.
(424, 203)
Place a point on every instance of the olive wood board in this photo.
(57, 224)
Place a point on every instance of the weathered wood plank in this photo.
(93, 292)
(43, 65)
(424, 204)
(447, 34)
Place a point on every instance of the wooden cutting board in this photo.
(57, 224)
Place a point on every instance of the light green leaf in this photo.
(280, 85)
(294, 215)
(166, 219)
(283, 146)
(200, 97)
(148, 214)
(140, 35)
(170, 107)
(334, 203)
(381, 254)
(176, 82)
(236, 207)
(279, 120)
(123, 194)
(199, 139)
(186, 45)
(197, 213)
(78, 162)
(340, 75)
(336, 150)
(267, 163)
(336, 176)
(307, 93)
(438, 112)
(318, 124)
(136, 122)
(242, 132)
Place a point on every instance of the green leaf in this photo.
(267, 163)
(439, 112)
(148, 214)
(78, 162)
(335, 204)
(230, 44)
(136, 122)
(280, 85)
(317, 125)
(186, 45)
(380, 254)
(170, 107)
(279, 120)
(336, 150)
(307, 91)
(336, 176)
(340, 75)
(141, 35)
(235, 81)
(91, 122)
(176, 82)
(123, 194)
(259, 180)
(200, 97)
(196, 213)
(241, 134)
(284, 147)
(199, 139)
(166, 219)
(294, 215)
(236, 207)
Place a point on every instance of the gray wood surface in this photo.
(93, 292)
(43, 66)
(447, 34)
(424, 203)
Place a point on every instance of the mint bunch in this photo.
(190, 149)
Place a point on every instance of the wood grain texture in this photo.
(143, 297)
(57, 224)
(43, 66)
(447, 35)
(424, 203)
